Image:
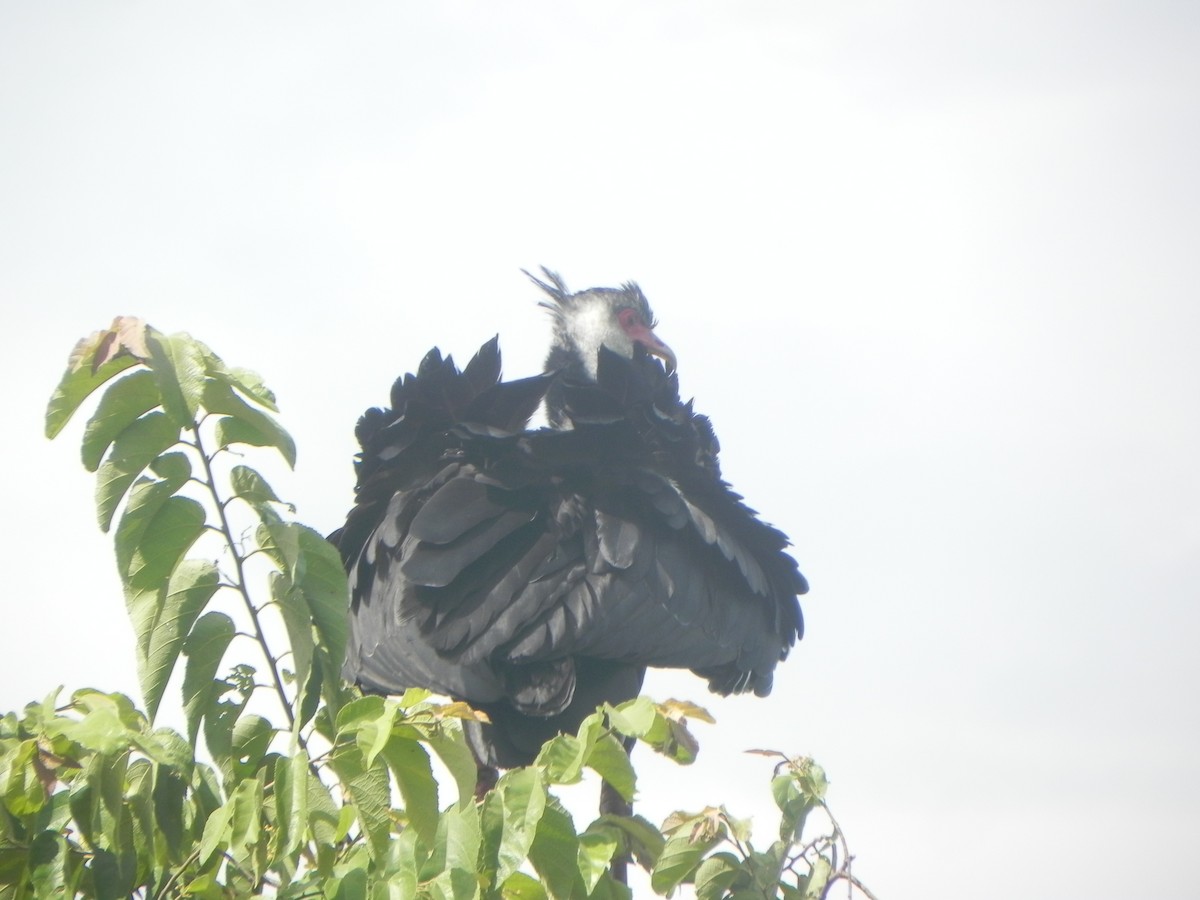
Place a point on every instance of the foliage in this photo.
(338, 798)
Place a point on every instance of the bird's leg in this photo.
(612, 803)
(485, 779)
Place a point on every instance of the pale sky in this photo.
(930, 267)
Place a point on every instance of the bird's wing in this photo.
(484, 571)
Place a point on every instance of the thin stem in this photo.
(240, 586)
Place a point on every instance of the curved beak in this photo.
(648, 339)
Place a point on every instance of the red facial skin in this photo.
(640, 332)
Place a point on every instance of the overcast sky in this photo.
(931, 268)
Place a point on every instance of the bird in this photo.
(537, 572)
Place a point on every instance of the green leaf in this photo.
(251, 739)
(634, 718)
(818, 878)
(523, 801)
(178, 365)
(243, 424)
(145, 501)
(322, 811)
(610, 761)
(314, 566)
(643, 841)
(596, 850)
(244, 380)
(519, 886)
(368, 790)
(766, 867)
(555, 852)
(410, 766)
(48, 857)
(95, 360)
(685, 709)
(109, 724)
(353, 886)
(812, 780)
(360, 713)
(125, 401)
(24, 792)
(250, 486)
(678, 861)
(458, 842)
(291, 803)
(170, 799)
(218, 831)
(297, 619)
(562, 758)
(133, 450)
(246, 821)
(204, 648)
(451, 748)
(164, 541)
(189, 589)
(139, 802)
(716, 874)
(793, 806)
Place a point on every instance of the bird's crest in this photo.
(562, 299)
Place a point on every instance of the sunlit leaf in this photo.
(291, 803)
(716, 874)
(24, 792)
(634, 718)
(204, 648)
(596, 850)
(244, 380)
(685, 709)
(178, 364)
(519, 886)
(145, 500)
(246, 821)
(243, 424)
(169, 534)
(189, 589)
(793, 806)
(95, 360)
(610, 761)
(643, 841)
(218, 831)
(104, 726)
(297, 620)
(679, 859)
(314, 566)
(322, 811)
(125, 401)
(373, 733)
(250, 486)
(562, 759)
(555, 852)
(48, 857)
(818, 878)
(451, 748)
(133, 450)
(367, 787)
(251, 739)
(170, 797)
(523, 801)
(410, 766)
(458, 841)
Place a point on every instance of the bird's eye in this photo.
(628, 318)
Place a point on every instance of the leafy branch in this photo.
(342, 802)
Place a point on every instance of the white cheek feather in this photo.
(591, 326)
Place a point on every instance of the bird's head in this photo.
(616, 318)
